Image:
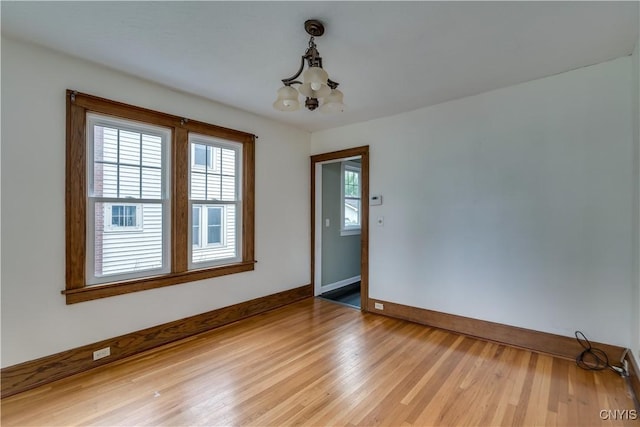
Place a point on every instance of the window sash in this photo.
(229, 250)
(355, 171)
(101, 247)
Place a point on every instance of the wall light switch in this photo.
(327, 223)
(375, 200)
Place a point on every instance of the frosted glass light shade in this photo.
(287, 99)
(333, 103)
(315, 83)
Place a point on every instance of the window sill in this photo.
(350, 232)
(92, 292)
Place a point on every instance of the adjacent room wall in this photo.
(340, 254)
(35, 320)
(513, 206)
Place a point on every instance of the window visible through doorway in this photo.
(351, 198)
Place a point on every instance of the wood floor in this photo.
(321, 363)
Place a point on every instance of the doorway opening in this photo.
(340, 226)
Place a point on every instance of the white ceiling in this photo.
(389, 57)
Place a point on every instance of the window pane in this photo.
(228, 161)
(195, 225)
(151, 151)
(215, 216)
(98, 179)
(220, 235)
(198, 185)
(351, 212)
(128, 252)
(129, 148)
(130, 216)
(214, 229)
(106, 142)
(116, 216)
(214, 159)
(351, 184)
(151, 183)
(199, 155)
(109, 185)
(228, 188)
(213, 236)
(129, 182)
(213, 187)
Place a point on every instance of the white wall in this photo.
(35, 320)
(513, 206)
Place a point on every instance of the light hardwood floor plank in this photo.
(319, 363)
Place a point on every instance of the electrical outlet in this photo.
(379, 306)
(103, 352)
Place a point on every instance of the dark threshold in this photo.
(347, 295)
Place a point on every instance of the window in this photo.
(215, 199)
(137, 182)
(351, 198)
(122, 217)
(127, 163)
(202, 156)
(212, 235)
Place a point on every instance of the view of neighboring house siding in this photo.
(128, 166)
(227, 247)
(124, 251)
(128, 236)
(213, 179)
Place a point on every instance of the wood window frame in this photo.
(78, 105)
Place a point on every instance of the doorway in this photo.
(340, 226)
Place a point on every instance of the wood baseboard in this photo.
(540, 342)
(28, 375)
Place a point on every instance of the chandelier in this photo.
(316, 84)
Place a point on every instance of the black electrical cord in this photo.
(592, 358)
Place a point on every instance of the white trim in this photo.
(340, 284)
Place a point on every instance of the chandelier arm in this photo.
(291, 80)
(332, 84)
